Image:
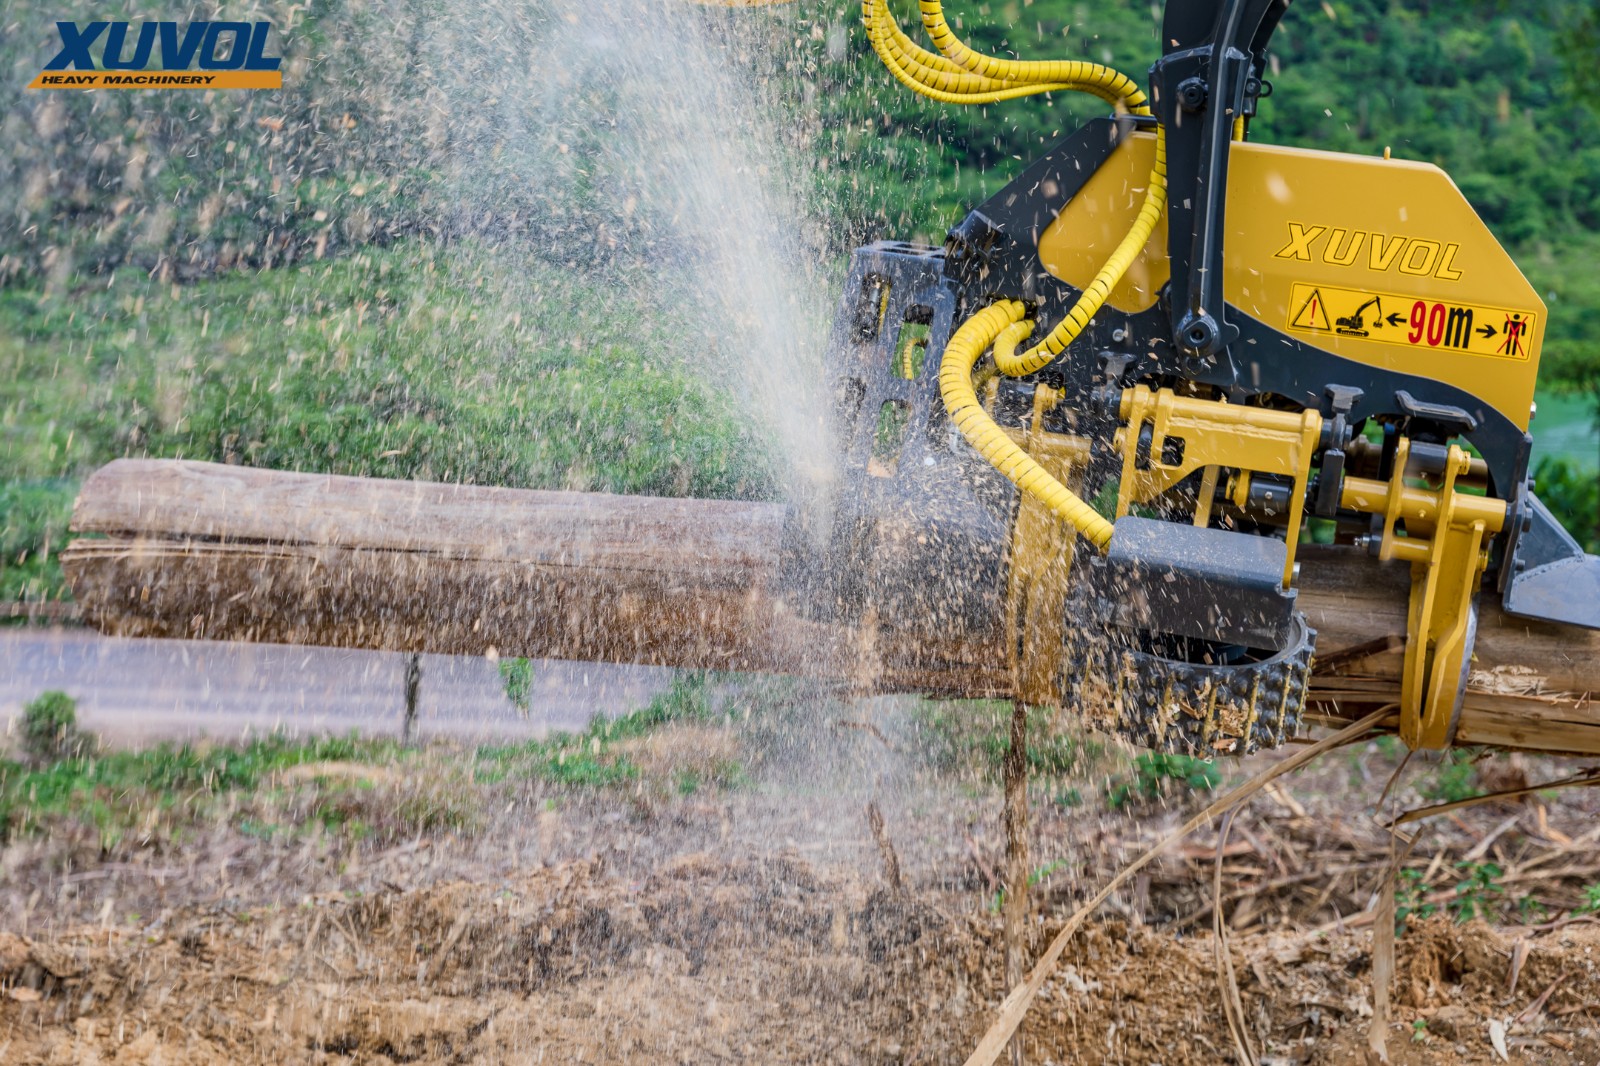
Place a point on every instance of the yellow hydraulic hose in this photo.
(875, 13)
(1094, 297)
(932, 75)
(1075, 72)
(961, 76)
(958, 75)
(912, 67)
(928, 73)
(930, 86)
(961, 400)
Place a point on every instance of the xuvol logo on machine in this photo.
(162, 55)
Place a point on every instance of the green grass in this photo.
(963, 734)
(516, 677)
(687, 699)
(562, 759)
(1069, 767)
(1043, 873)
(1156, 775)
(1454, 779)
(1411, 899)
(973, 737)
(33, 527)
(157, 793)
(594, 758)
(115, 792)
(408, 362)
(1591, 901)
(1478, 892)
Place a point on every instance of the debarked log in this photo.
(205, 551)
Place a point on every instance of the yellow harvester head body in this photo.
(1381, 261)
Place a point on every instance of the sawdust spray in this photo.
(665, 153)
(645, 148)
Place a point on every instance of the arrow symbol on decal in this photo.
(1394, 320)
(1487, 331)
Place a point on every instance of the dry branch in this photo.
(217, 552)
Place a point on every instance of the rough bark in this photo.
(197, 550)
(1017, 891)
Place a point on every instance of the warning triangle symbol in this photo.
(1312, 314)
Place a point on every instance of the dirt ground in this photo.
(757, 924)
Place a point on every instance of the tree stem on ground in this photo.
(408, 732)
(1015, 914)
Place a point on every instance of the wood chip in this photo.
(1497, 1037)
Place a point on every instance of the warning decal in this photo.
(1313, 313)
(1411, 321)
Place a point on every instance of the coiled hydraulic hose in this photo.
(945, 77)
(1094, 297)
(1080, 75)
(962, 352)
(961, 76)
(958, 75)
(930, 74)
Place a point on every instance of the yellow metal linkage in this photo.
(1215, 435)
(1445, 535)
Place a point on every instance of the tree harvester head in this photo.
(1089, 434)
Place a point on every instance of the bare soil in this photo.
(755, 925)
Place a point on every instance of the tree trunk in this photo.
(1014, 916)
(197, 550)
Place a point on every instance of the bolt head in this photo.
(1192, 93)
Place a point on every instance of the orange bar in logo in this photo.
(158, 79)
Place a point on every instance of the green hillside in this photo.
(469, 278)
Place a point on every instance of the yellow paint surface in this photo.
(1350, 228)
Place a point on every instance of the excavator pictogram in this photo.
(1354, 324)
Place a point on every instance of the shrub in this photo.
(1456, 778)
(50, 728)
(1477, 891)
(1158, 774)
(516, 675)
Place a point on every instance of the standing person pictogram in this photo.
(1514, 328)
